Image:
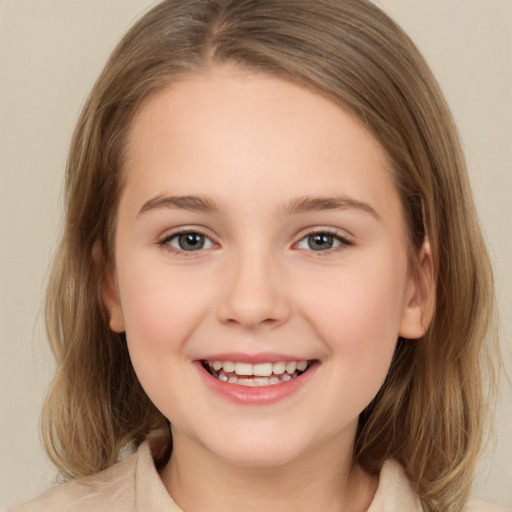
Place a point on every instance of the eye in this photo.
(322, 241)
(188, 241)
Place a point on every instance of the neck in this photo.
(322, 479)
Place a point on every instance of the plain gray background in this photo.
(50, 53)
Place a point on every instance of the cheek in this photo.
(161, 310)
(357, 316)
(360, 303)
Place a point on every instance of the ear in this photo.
(109, 289)
(420, 297)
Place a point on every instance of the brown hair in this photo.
(428, 414)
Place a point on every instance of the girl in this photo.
(271, 291)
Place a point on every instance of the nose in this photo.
(254, 293)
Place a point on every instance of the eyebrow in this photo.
(196, 203)
(298, 205)
(307, 204)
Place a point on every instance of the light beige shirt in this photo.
(135, 486)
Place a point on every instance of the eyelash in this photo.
(342, 241)
(165, 242)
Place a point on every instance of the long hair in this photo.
(428, 414)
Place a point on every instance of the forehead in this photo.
(210, 130)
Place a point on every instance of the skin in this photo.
(252, 144)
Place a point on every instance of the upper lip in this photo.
(254, 358)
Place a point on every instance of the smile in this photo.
(255, 375)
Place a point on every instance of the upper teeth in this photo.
(259, 369)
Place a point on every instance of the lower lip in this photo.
(261, 395)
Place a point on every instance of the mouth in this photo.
(256, 375)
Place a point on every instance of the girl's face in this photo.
(260, 241)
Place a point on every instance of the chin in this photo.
(263, 452)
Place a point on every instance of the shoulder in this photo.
(111, 490)
(479, 506)
(395, 493)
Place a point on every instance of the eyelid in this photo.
(163, 241)
(342, 236)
